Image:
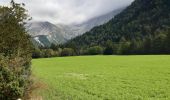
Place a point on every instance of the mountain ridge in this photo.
(59, 34)
(142, 21)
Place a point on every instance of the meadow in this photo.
(104, 77)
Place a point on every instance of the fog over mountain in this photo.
(57, 21)
(69, 11)
(46, 33)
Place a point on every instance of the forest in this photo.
(142, 28)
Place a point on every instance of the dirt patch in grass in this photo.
(34, 88)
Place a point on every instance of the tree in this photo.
(15, 48)
(54, 46)
(109, 48)
(37, 53)
(96, 50)
(49, 53)
(167, 41)
(147, 45)
(67, 52)
(124, 46)
(158, 46)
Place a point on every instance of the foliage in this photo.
(109, 48)
(16, 50)
(37, 53)
(44, 53)
(95, 50)
(67, 52)
(142, 22)
(12, 84)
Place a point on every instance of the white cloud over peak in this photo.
(69, 11)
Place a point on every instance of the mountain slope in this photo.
(79, 29)
(46, 33)
(143, 18)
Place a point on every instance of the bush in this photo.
(67, 52)
(45, 53)
(16, 48)
(13, 82)
(37, 53)
(108, 51)
(96, 50)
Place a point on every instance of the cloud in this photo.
(69, 11)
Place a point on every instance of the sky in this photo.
(69, 11)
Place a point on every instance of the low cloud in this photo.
(69, 11)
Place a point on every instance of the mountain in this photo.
(79, 29)
(144, 21)
(46, 33)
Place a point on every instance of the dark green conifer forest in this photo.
(142, 28)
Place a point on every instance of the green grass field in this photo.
(104, 77)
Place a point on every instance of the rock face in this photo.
(46, 33)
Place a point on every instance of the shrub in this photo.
(37, 53)
(96, 50)
(13, 82)
(67, 52)
(16, 48)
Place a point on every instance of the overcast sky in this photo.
(69, 11)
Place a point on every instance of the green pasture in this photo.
(104, 77)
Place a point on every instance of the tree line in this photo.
(142, 28)
(158, 44)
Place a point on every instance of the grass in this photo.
(105, 77)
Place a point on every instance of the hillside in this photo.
(143, 27)
(71, 31)
(45, 33)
